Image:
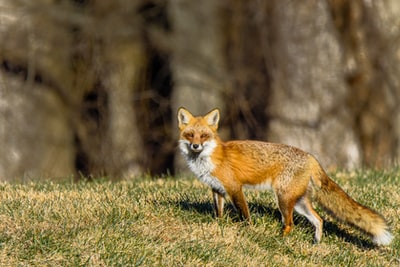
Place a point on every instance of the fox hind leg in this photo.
(286, 208)
(240, 204)
(287, 219)
(304, 207)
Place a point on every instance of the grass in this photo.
(169, 222)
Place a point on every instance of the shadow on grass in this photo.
(332, 228)
(205, 208)
(257, 209)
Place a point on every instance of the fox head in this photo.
(198, 134)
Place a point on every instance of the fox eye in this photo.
(204, 135)
(189, 135)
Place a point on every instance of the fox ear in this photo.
(184, 117)
(212, 118)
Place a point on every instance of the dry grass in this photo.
(169, 222)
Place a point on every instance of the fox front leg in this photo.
(219, 202)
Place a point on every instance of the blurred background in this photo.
(91, 87)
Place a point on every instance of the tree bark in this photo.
(308, 101)
(127, 62)
(35, 135)
(370, 38)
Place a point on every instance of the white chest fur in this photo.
(202, 166)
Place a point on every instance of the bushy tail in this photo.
(344, 208)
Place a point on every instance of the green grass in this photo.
(169, 222)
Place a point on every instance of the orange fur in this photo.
(294, 175)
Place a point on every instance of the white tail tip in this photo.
(383, 239)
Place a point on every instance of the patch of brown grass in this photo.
(169, 222)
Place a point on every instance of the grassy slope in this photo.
(169, 222)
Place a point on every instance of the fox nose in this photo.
(196, 147)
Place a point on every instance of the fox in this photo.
(295, 177)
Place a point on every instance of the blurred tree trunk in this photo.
(249, 82)
(35, 82)
(308, 103)
(69, 75)
(370, 36)
(197, 61)
(127, 62)
(113, 55)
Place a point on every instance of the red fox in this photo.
(294, 176)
